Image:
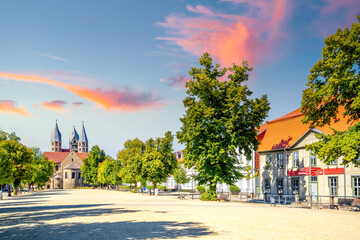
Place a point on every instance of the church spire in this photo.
(56, 139)
(83, 141)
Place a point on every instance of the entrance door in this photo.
(314, 188)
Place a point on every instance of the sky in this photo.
(121, 66)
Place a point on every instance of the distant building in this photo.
(67, 173)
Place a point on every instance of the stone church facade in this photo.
(68, 162)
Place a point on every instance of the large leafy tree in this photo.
(220, 121)
(41, 169)
(8, 136)
(159, 162)
(21, 159)
(131, 161)
(108, 171)
(180, 176)
(91, 164)
(5, 168)
(334, 85)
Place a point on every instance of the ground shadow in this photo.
(105, 230)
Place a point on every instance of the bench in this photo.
(224, 197)
(181, 196)
(356, 204)
(346, 202)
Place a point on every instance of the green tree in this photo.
(159, 162)
(220, 121)
(41, 169)
(131, 161)
(21, 160)
(180, 176)
(107, 172)
(91, 164)
(8, 136)
(333, 87)
(5, 168)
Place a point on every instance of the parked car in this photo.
(5, 189)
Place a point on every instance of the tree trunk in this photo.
(154, 184)
(93, 185)
(1, 191)
(136, 186)
(9, 191)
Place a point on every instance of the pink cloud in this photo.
(117, 100)
(230, 38)
(9, 107)
(178, 82)
(162, 80)
(56, 105)
(77, 104)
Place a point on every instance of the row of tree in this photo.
(20, 165)
(151, 161)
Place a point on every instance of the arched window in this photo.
(57, 168)
(79, 175)
(73, 175)
(66, 175)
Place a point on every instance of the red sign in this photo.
(315, 171)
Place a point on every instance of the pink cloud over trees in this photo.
(118, 100)
(9, 107)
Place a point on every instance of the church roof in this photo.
(56, 135)
(58, 157)
(83, 137)
(73, 135)
(72, 165)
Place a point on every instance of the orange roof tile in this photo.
(56, 157)
(283, 132)
(82, 155)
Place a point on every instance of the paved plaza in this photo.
(101, 214)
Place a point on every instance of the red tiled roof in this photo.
(82, 155)
(283, 132)
(56, 157)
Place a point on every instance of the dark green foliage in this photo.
(220, 121)
(334, 85)
(209, 195)
(41, 169)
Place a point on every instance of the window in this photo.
(356, 186)
(333, 186)
(295, 159)
(79, 175)
(279, 185)
(312, 160)
(73, 175)
(280, 160)
(57, 168)
(268, 161)
(295, 185)
(267, 186)
(66, 175)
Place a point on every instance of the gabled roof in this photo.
(56, 135)
(83, 137)
(285, 131)
(72, 165)
(58, 157)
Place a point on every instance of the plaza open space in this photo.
(104, 214)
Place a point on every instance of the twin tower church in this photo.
(68, 162)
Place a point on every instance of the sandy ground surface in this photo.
(101, 214)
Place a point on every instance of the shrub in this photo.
(134, 191)
(208, 195)
(200, 189)
(234, 189)
(162, 188)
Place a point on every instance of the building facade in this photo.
(287, 168)
(68, 162)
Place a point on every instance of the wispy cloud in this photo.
(77, 104)
(55, 105)
(178, 81)
(230, 38)
(9, 107)
(109, 99)
(49, 56)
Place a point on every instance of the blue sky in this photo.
(120, 66)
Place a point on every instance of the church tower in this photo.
(83, 146)
(73, 140)
(56, 139)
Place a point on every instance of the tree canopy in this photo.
(220, 121)
(41, 168)
(180, 176)
(334, 87)
(108, 171)
(159, 162)
(91, 164)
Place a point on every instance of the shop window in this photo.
(295, 185)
